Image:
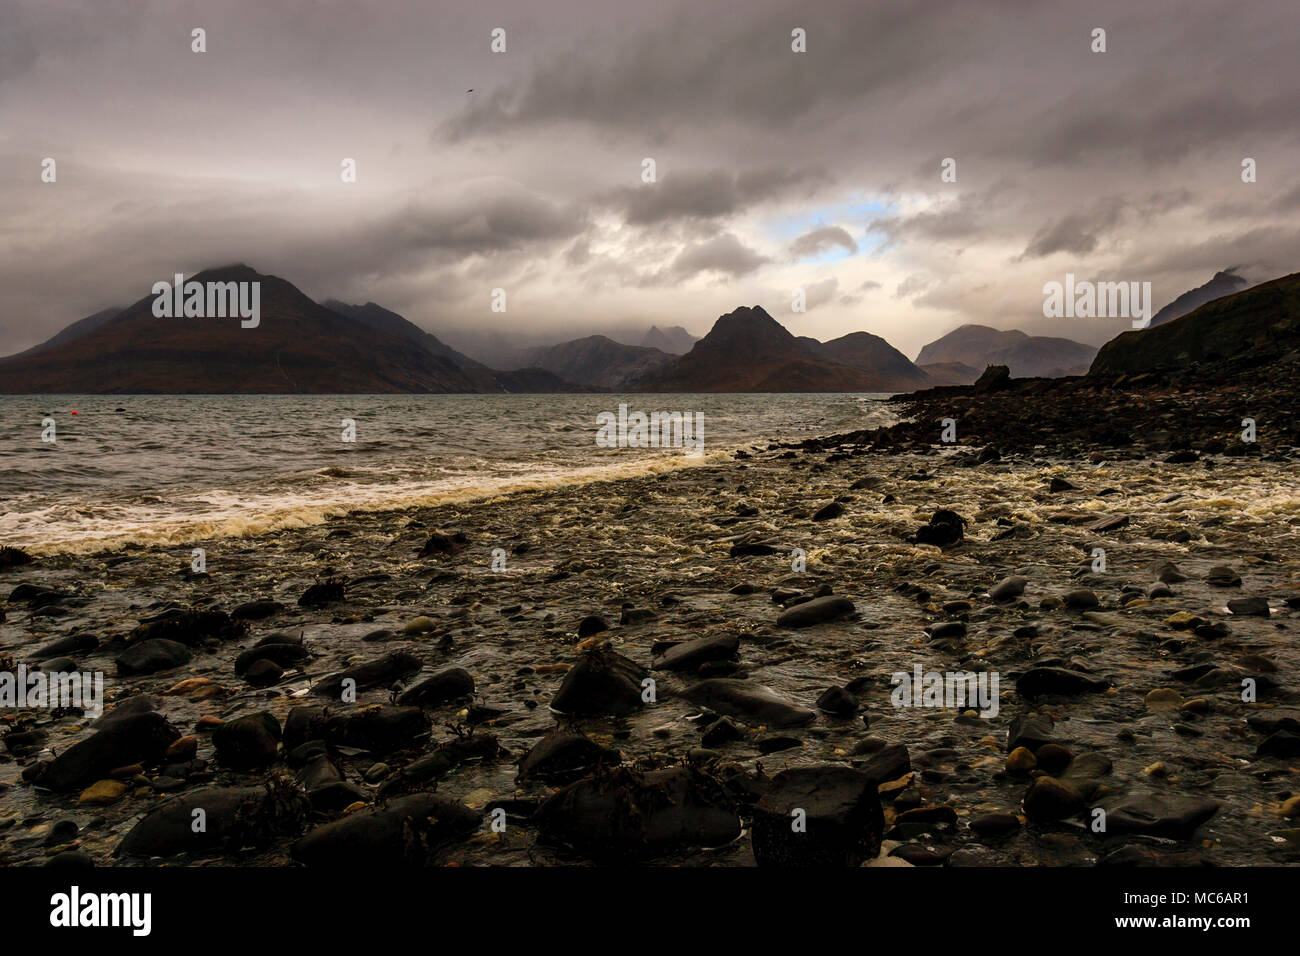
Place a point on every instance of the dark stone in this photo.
(1057, 680)
(602, 682)
(828, 512)
(248, 742)
(381, 672)
(841, 811)
(131, 738)
(689, 655)
(564, 757)
(152, 656)
(408, 831)
(448, 685)
(946, 529)
(816, 611)
(749, 701)
(838, 701)
(622, 814)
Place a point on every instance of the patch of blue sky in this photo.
(854, 215)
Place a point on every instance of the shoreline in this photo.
(652, 556)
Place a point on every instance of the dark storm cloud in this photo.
(1123, 164)
(722, 254)
(818, 240)
(708, 193)
(1079, 232)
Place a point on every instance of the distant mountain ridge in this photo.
(1027, 356)
(299, 346)
(596, 361)
(673, 340)
(749, 351)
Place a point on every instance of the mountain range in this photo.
(1027, 356)
(303, 346)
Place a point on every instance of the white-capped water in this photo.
(170, 469)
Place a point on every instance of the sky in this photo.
(774, 170)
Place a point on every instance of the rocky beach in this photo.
(697, 666)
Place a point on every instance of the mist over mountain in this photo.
(674, 340)
(596, 361)
(1224, 283)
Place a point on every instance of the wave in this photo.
(229, 514)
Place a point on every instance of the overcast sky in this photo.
(775, 170)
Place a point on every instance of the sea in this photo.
(83, 473)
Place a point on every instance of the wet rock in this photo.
(1222, 576)
(381, 730)
(256, 610)
(248, 742)
(817, 611)
(1008, 589)
(1249, 607)
(132, 738)
(448, 685)
(322, 593)
(945, 530)
(451, 754)
(152, 656)
(689, 655)
(746, 549)
(103, 792)
(1057, 485)
(561, 757)
(1280, 743)
(263, 673)
(190, 628)
(771, 745)
(888, 763)
(444, 544)
(1057, 798)
(721, 731)
(828, 512)
(838, 701)
(408, 831)
(635, 615)
(840, 810)
(1031, 732)
(233, 817)
(623, 814)
(13, 558)
(72, 644)
(1172, 817)
(381, 672)
(282, 653)
(1081, 599)
(592, 624)
(750, 702)
(1038, 681)
(602, 682)
(1168, 573)
(994, 824)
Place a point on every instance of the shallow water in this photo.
(167, 469)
